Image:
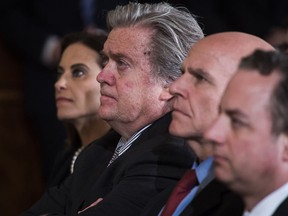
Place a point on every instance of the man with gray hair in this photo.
(119, 173)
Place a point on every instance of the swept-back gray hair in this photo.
(175, 30)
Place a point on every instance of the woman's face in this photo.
(77, 92)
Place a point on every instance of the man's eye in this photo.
(236, 123)
(122, 65)
(199, 77)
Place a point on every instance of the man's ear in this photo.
(284, 140)
(165, 94)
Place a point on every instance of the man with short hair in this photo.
(250, 143)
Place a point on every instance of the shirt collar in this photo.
(124, 144)
(203, 169)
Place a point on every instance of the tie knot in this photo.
(189, 180)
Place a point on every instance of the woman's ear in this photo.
(165, 94)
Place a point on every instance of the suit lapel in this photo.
(282, 210)
(107, 146)
(200, 205)
(158, 128)
(210, 201)
(206, 181)
(101, 149)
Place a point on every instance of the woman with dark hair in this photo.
(77, 95)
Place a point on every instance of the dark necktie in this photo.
(183, 187)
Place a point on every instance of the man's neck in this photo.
(128, 129)
(202, 149)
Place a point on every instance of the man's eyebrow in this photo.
(114, 55)
(235, 113)
(201, 72)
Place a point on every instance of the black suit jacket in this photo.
(155, 161)
(214, 199)
(62, 166)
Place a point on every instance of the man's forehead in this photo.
(202, 56)
(253, 78)
(128, 40)
(250, 86)
(207, 61)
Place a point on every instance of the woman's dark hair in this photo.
(93, 41)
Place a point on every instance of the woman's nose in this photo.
(60, 84)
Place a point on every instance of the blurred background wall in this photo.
(21, 177)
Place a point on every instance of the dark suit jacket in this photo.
(213, 200)
(62, 166)
(282, 210)
(155, 161)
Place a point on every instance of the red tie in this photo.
(183, 187)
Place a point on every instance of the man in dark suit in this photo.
(206, 71)
(250, 135)
(121, 172)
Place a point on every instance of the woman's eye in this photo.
(78, 73)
